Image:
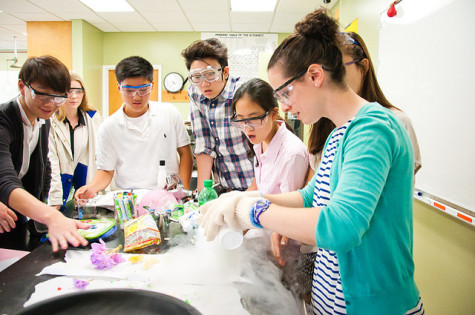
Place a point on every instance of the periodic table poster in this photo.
(244, 50)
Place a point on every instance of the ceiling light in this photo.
(253, 5)
(108, 5)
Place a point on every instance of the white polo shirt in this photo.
(133, 147)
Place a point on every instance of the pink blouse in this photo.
(283, 166)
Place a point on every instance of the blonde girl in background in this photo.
(72, 144)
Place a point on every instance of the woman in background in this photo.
(361, 78)
(72, 143)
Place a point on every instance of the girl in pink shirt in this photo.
(280, 157)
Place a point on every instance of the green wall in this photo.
(88, 59)
(5, 63)
(161, 48)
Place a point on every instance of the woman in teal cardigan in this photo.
(358, 207)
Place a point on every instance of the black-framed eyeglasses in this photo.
(58, 100)
(353, 61)
(252, 123)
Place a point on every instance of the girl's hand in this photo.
(278, 242)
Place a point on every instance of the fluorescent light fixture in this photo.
(108, 5)
(253, 5)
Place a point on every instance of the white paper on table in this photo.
(78, 264)
(8, 262)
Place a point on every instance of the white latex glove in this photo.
(232, 209)
(250, 193)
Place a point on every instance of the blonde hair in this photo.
(84, 106)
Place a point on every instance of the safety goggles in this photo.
(58, 100)
(252, 123)
(282, 93)
(210, 74)
(141, 90)
(75, 92)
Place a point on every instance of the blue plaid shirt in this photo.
(215, 136)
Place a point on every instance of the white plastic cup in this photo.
(229, 238)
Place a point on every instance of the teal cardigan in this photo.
(368, 220)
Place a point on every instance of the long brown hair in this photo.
(351, 44)
(84, 106)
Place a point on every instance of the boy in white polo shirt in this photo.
(132, 141)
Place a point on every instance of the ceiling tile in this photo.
(170, 27)
(199, 27)
(204, 5)
(252, 17)
(17, 6)
(140, 27)
(288, 18)
(90, 17)
(208, 17)
(17, 28)
(106, 27)
(55, 6)
(162, 17)
(9, 19)
(306, 6)
(156, 5)
(30, 16)
(251, 28)
(122, 17)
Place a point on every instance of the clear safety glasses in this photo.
(282, 93)
(141, 90)
(210, 74)
(58, 100)
(252, 123)
(75, 92)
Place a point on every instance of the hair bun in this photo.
(318, 25)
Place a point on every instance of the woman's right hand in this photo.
(278, 242)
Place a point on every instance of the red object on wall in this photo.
(392, 10)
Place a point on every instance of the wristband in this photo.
(257, 209)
